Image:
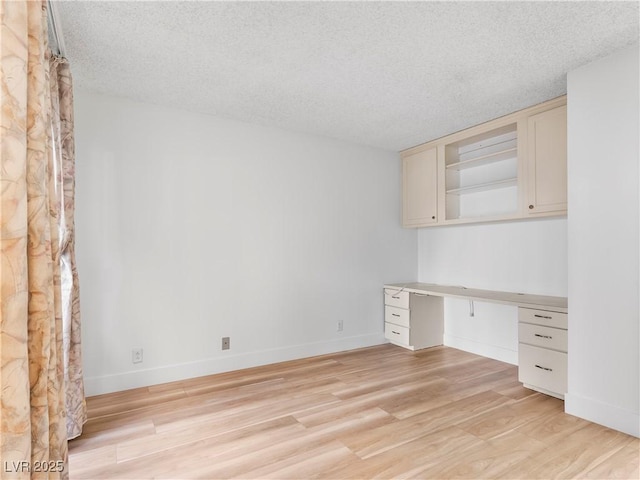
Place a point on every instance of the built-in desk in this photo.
(526, 300)
(414, 319)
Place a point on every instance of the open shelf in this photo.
(485, 164)
(484, 159)
(483, 187)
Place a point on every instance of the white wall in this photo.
(526, 256)
(191, 228)
(604, 244)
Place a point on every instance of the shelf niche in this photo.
(481, 175)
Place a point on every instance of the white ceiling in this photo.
(386, 74)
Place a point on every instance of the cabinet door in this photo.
(547, 162)
(420, 188)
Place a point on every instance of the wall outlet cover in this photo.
(136, 355)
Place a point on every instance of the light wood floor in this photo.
(380, 412)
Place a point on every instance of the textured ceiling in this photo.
(386, 74)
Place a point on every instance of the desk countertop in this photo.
(542, 302)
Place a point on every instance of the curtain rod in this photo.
(54, 28)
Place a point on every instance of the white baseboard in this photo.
(601, 413)
(225, 363)
(492, 351)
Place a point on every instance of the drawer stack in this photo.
(397, 318)
(542, 351)
(411, 320)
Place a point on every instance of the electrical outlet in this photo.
(226, 343)
(340, 325)
(136, 355)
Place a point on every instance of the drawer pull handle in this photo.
(395, 315)
(543, 316)
(543, 336)
(544, 368)
(397, 298)
(398, 333)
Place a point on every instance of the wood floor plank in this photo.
(105, 434)
(234, 464)
(487, 459)
(381, 380)
(552, 427)
(406, 459)
(185, 431)
(430, 396)
(625, 463)
(492, 423)
(308, 464)
(355, 423)
(330, 412)
(191, 459)
(378, 412)
(105, 404)
(212, 407)
(574, 455)
(390, 436)
(90, 460)
(514, 389)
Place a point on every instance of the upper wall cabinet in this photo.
(547, 162)
(420, 188)
(510, 168)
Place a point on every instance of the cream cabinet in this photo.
(542, 350)
(510, 168)
(547, 162)
(427, 311)
(420, 188)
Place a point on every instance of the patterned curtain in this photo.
(64, 161)
(36, 225)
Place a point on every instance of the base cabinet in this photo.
(413, 321)
(542, 351)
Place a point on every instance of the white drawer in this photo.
(542, 368)
(396, 315)
(395, 298)
(542, 317)
(540, 336)
(396, 333)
